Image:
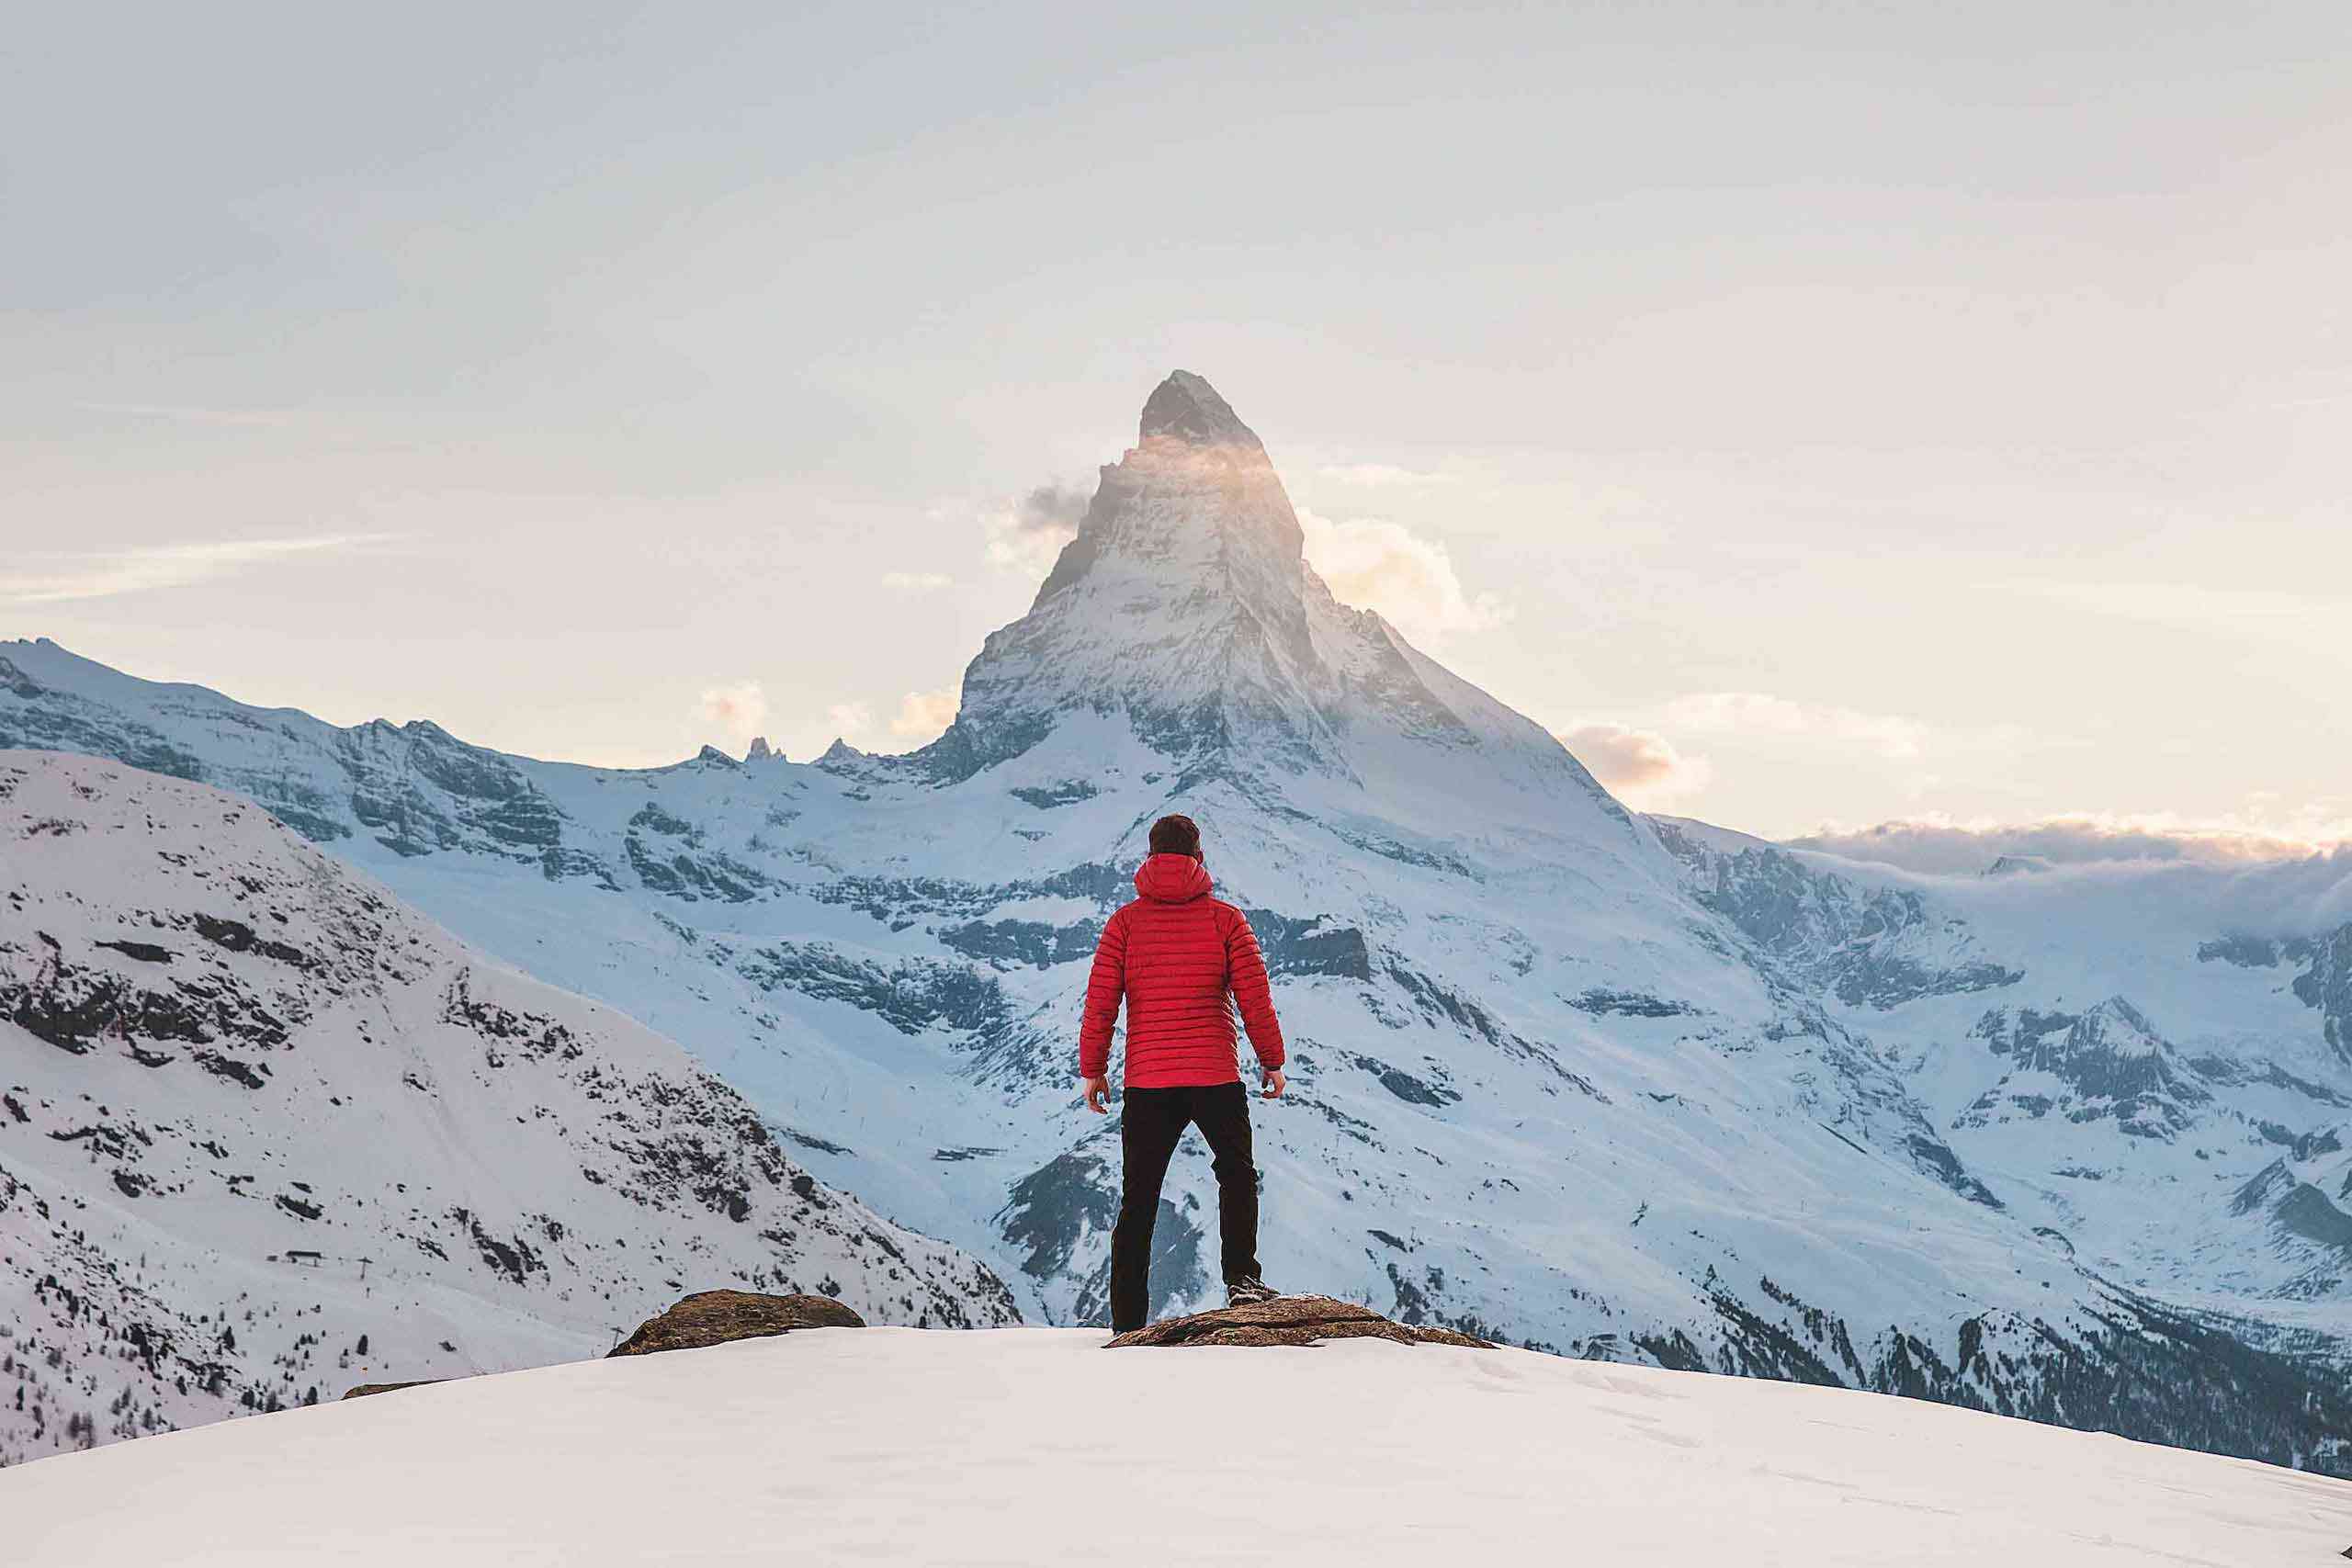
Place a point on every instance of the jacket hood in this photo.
(1173, 879)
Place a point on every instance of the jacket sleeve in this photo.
(1104, 988)
(1245, 968)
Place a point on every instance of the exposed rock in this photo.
(365, 1389)
(1290, 1320)
(714, 1317)
(1186, 408)
(1878, 947)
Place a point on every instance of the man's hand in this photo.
(1275, 1083)
(1097, 1094)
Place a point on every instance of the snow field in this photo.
(1035, 1447)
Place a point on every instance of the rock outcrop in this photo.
(714, 1317)
(365, 1389)
(1290, 1320)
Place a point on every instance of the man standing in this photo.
(1182, 962)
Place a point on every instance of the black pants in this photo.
(1153, 1121)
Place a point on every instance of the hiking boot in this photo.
(1242, 1292)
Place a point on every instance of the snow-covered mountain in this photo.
(1562, 1074)
(2141, 1059)
(266, 1132)
(887, 1445)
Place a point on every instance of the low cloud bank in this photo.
(1945, 849)
(2216, 882)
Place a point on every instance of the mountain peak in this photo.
(1186, 408)
(1184, 604)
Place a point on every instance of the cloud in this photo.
(1942, 846)
(923, 717)
(242, 418)
(58, 576)
(1026, 534)
(2190, 603)
(1643, 769)
(1382, 476)
(738, 710)
(1892, 736)
(1408, 579)
(917, 582)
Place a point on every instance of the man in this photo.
(1182, 961)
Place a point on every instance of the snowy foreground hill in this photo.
(2058, 1144)
(1036, 1447)
(266, 1134)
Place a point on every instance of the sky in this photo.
(1820, 415)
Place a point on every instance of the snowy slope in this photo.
(1037, 1446)
(1562, 1074)
(264, 1133)
(2154, 1076)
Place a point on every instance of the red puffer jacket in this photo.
(1174, 954)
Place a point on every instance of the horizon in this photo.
(1983, 473)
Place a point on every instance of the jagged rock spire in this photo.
(1186, 408)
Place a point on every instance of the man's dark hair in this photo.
(1176, 836)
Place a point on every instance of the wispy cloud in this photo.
(55, 577)
(738, 710)
(1892, 736)
(1408, 579)
(2190, 603)
(241, 419)
(923, 717)
(1384, 476)
(1643, 768)
(849, 719)
(1027, 533)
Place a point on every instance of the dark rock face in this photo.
(2258, 1392)
(1188, 409)
(2327, 986)
(1828, 934)
(1062, 1215)
(1023, 942)
(715, 1317)
(2109, 1062)
(912, 995)
(1315, 945)
(1290, 1320)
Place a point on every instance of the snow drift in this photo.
(1037, 1446)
